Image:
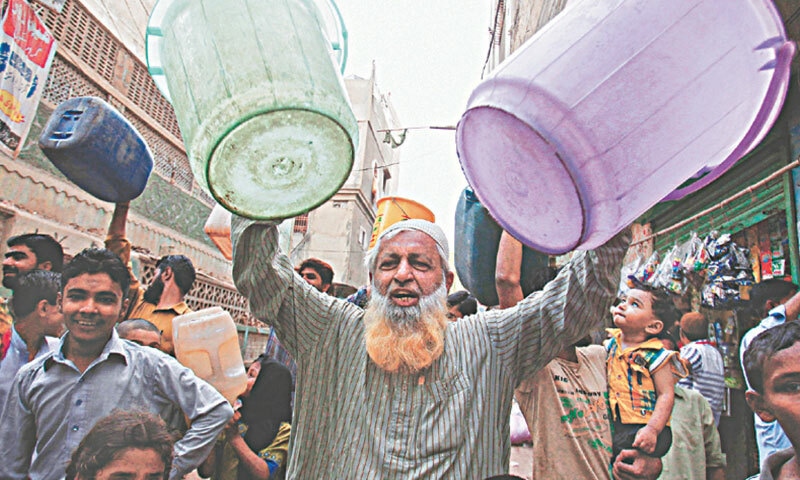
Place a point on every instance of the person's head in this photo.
(28, 252)
(645, 309)
(94, 285)
(460, 304)
(317, 273)
(130, 445)
(268, 401)
(36, 300)
(141, 331)
(407, 314)
(768, 294)
(772, 366)
(252, 374)
(174, 271)
(694, 326)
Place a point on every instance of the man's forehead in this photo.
(409, 241)
(19, 251)
(100, 282)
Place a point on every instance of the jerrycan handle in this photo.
(763, 121)
(66, 125)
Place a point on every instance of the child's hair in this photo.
(694, 325)
(116, 433)
(467, 304)
(764, 346)
(663, 307)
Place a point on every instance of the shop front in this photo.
(747, 220)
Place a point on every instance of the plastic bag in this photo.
(668, 269)
(626, 271)
(519, 429)
(696, 258)
(647, 270)
(728, 272)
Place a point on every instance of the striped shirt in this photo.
(356, 421)
(707, 374)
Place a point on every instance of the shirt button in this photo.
(78, 403)
(80, 380)
(75, 428)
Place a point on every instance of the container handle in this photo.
(777, 88)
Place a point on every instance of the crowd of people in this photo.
(401, 380)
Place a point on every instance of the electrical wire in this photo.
(498, 9)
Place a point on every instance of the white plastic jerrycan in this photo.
(206, 342)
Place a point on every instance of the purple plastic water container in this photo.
(612, 105)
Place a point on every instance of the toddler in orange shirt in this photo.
(640, 371)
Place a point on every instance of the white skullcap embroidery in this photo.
(431, 229)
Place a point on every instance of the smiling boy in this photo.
(56, 399)
(772, 365)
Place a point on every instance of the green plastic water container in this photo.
(259, 98)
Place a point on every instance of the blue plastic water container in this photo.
(477, 237)
(97, 149)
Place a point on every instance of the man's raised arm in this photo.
(534, 331)
(278, 296)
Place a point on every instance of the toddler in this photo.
(640, 382)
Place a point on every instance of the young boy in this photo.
(707, 372)
(772, 366)
(640, 383)
(37, 321)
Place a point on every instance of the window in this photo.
(301, 224)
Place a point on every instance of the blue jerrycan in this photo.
(97, 148)
(477, 237)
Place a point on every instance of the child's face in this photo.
(635, 313)
(781, 397)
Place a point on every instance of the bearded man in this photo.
(396, 391)
(165, 298)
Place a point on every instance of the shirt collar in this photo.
(17, 341)
(179, 308)
(680, 392)
(650, 343)
(776, 316)
(114, 346)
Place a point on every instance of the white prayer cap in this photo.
(429, 228)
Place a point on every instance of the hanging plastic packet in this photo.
(626, 271)
(728, 272)
(661, 276)
(696, 258)
(647, 270)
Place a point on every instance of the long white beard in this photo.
(405, 339)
